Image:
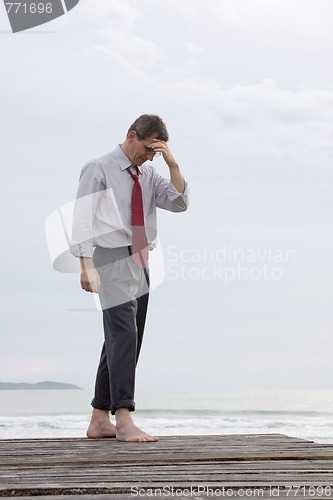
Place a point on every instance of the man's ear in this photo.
(132, 134)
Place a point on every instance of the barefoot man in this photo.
(114, 225)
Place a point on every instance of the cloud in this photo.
(119, 15)
(265, 117)
(131, 52)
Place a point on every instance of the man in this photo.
(116, 213)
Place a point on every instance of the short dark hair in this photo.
(150, 125)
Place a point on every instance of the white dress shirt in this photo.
(103, 214)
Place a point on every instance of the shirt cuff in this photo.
(174, 194)
(82, 250)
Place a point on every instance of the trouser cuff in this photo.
(126, 403)
(100, 406)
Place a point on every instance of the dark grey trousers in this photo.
(124, 298)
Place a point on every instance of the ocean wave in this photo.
(211, 412)
(306, 425)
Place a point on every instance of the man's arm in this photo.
(175, 174)
(176, 177)
(89, 192)
(89, 279)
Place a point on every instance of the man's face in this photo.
(138, 149)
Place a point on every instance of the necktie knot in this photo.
(135, 176)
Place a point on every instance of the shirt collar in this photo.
(123, 161)
(121, 158)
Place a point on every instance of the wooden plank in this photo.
(223, 472)
(171, 449)
(91, 468)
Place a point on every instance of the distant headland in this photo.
(47, 385)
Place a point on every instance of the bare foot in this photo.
(132, 434)
(100, 426)
(127, 431)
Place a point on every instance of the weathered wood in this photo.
(100, 469)
(175, 448)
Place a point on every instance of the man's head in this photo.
(141, 135)
(147, 126)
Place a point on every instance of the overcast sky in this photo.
(245, 87)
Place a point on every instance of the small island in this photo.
(46, 385)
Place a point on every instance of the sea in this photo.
(305, 414)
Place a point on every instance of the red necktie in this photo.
(139, 238)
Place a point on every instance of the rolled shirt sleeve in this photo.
(168, 198)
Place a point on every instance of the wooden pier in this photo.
(264, 466)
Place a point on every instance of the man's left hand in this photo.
(175, 174)
(163, 147)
